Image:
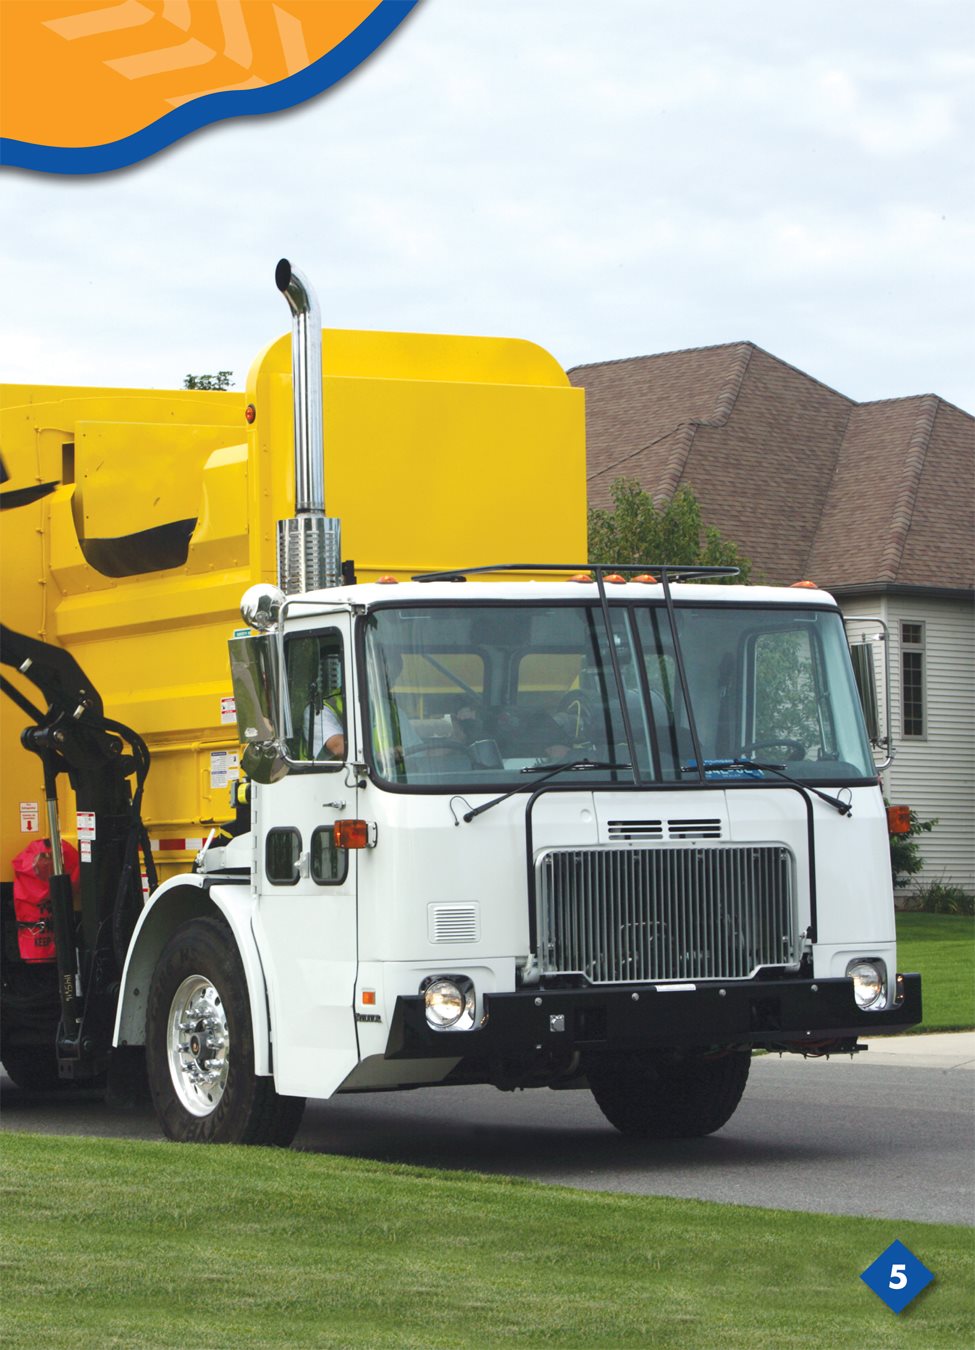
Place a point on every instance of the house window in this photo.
(912, 679)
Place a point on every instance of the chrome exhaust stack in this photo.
(309, 544)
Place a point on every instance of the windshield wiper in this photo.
(547, 772)
(844, 808)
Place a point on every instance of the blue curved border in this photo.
(173, 126)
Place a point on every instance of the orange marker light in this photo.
(351, 833)
(646, 578)
(581, 577)
(614, 578)
(898, 820)
(369, 998)
(804, 586)
(250, 413)
(387, 580)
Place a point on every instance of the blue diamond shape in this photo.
(897, 1276)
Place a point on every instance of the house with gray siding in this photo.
(875, 502)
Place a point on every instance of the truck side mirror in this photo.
(865, 674)
(256, 682)
(866, 683)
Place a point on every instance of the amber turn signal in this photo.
(898, 820)
(351, 833)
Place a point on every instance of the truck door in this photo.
(306, 909)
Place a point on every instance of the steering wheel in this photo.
(796, 748)
(442, 746)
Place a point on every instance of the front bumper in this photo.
(782, 1014)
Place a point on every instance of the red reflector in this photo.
(250, 413)
(898, 820)
(177, 844)
(351, 833)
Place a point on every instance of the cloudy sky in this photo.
(608, 180)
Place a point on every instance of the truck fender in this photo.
(176, 902)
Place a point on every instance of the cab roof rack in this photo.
(599, 571)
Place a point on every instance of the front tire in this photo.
(663, 1096)
(200, 1047)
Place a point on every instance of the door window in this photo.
(282, 850)
(316, 694)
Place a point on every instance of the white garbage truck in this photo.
(541, 824)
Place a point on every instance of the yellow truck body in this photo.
(135, 519)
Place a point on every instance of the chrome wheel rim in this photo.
(198, 1045)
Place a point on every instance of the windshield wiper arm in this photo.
(547, 772)
(844, 808)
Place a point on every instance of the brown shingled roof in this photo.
(806, 481)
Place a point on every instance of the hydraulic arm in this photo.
(100, 757)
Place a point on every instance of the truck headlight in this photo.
(869, 983)
(449, 1002)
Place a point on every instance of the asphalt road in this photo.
(836, 1137)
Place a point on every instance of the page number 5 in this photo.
(897, 1277)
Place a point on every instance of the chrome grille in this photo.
(624, 914)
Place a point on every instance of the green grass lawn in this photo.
(118, 1243)
(942, 948)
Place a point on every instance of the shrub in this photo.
(905, 851)
(944, 897)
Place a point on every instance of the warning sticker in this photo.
(29, 817)
(84, 850)
(228, 710)
(86, 825)
(224, 768)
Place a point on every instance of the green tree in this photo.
(222, 380)
(636, 531)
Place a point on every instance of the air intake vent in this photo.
(693, 829)
(453, 923)
(635, 829)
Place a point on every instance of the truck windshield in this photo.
(470, 695)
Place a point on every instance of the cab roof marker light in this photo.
(387, 580)
(803, 586)
(646, 579)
